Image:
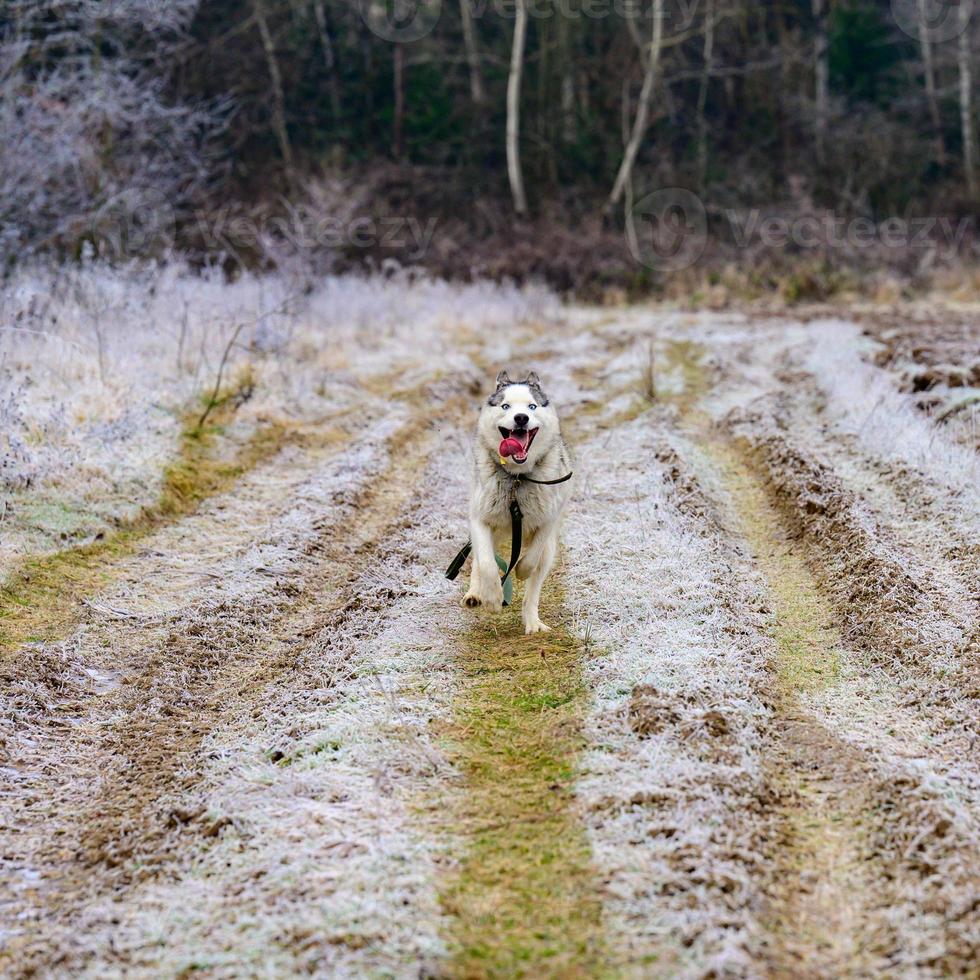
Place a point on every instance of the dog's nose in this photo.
(521, 421)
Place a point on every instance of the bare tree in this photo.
(329, 58)
(275, 77)
(929, 75)
(628, 219)
(966, 97)
(93, 150)
(398, 69)
(821, 76)
(707, 57)
(514, 110)
(625, 172)
(472, 52)
(567, 81)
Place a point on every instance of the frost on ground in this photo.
(678, 666)
(235, 762)
(251, 699)
(323, 867)
(934, 357)
(882, 507)
(863, 401)
(101, 370)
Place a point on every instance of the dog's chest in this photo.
(538, 507)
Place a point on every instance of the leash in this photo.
(516, 530)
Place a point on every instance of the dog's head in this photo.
(520, 411)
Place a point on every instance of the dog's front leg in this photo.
(485, 588)
(539, 561)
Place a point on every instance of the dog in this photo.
(521, 411)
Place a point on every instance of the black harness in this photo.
(516, 527)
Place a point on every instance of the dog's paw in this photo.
(536, 626)
(473, 600)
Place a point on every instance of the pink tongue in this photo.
(511, 447)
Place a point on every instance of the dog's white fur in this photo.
(491, 484)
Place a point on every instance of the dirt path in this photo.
(820, 911)
(826, 840)
(149, 684)
(271, 743)
(829, 913)
(822, 915)
(134, 748)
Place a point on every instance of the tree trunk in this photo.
(472, 52)
(278, 96)
(567, 81)
(333, 85)
(625, 173)
(568, 105)
(929, 72)
(707, 55)
(629, 222)
(966, 99)
(631, 14)
(784, 92)
(514, 110)
(821, 77)
(399, 115)
(365, 37)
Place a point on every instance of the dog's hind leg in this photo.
(539, 564)
(485, 588)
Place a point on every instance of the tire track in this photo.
(671, 788)
(40, 600)
(823, 917)
(319, 868)
(837, 906)
(187, 678)
(522, 897)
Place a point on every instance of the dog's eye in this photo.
(505, 407)
(532, 407)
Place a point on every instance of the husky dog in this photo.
(519, 413)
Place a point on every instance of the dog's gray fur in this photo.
(491, 484)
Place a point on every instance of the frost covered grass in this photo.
(305, 833)
(677, 671)
(101, 368)
(281, 747)
(324, 866)
(38, 598)
(308, 784)
(864, 401)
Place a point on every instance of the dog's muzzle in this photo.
(516, 443)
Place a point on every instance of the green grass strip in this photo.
(524, 901)
(39, 598)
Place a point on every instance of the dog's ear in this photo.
(503, 380)
(534, 383)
